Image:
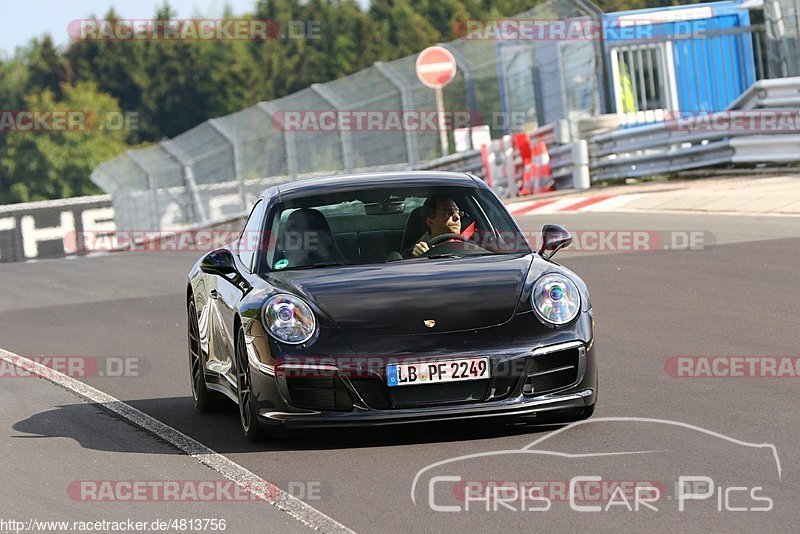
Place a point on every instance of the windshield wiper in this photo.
(454, 255)
(443, 256)
(313, 266)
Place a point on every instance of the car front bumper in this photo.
(518, 408)
(578, 397)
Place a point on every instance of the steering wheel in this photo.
(441, 238)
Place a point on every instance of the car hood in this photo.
(397, 298)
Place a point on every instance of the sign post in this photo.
(436, 67)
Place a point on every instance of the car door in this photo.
(228, 295)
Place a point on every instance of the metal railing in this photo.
(775, 93)
(693, 142)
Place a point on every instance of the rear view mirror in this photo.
(554, 238)
(384, 208)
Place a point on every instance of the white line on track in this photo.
(231, 470)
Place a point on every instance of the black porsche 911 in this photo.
(388, 298)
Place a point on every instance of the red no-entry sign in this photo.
(436, 67)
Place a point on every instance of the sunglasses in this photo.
(450, 212)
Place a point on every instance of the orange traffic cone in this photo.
(527, 178)
(523, 145)
(541, 179)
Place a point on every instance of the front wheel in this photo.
(204, 400)
(253, 431)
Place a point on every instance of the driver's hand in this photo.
(420, 249)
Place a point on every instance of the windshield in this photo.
(388, 225)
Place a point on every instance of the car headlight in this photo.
(556, 299)
(289, 320)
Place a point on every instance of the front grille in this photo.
(373, 391)
(380, 396)
(544, 374)
(328, 393)
(553, 371)
(502, 385)
(433, 394)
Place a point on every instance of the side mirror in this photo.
(554, 238)
(219, 262)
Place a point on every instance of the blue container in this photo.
(704, 52)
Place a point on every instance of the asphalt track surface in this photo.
(737, 297)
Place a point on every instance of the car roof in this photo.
(376, 180)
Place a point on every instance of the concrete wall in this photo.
(52, 228)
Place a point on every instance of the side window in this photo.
(250, 240)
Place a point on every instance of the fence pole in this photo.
(469, 78)
(155, 220)
(412, 154)
(345, 138)
(199, 211)
(237, 161)
(288, 141)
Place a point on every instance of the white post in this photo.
(440, 113)
(580, 165)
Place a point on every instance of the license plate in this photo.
(435, 372)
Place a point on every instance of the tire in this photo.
(204, 400)
(248, 420)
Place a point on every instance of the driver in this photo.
(442, 216)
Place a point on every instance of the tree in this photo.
(405, 30)
(56, 164)
(116, 67)
(47, 69)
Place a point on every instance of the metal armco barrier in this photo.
(782, 149)
(690, 143)
(469, 161)
(778, 92)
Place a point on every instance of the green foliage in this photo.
(47, 68)
(56, 164)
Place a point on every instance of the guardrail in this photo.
(777, 92)
(700, 141)
(568, 147)
(51, 228)
(565, 145)
(468, 161)
(679, 145)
